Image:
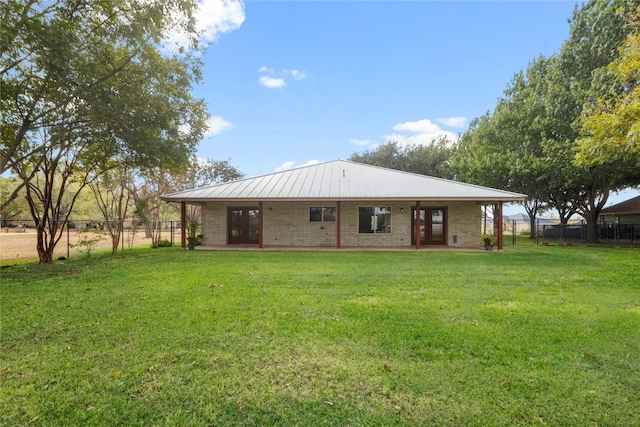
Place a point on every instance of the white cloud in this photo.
(298, 75)
(276, 79)
(285, 166)
(219, 16)
(290, 165)
(213, 18)
(420, 132)
(419, 138)
(272, 82)
(216, 125)
(454, 122)
(421, 126)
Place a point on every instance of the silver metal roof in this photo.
(343, 180)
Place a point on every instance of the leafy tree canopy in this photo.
(611, 121)
(86, 81)
(431, 159)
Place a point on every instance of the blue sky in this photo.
(288, 83)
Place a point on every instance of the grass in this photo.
(531, 336)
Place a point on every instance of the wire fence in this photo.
(617, 234)
(548, 232)
(18, 238)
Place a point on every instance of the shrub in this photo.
(164, 243)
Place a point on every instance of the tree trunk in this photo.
(592, 231)
(532, 207)
(45, 250)
(532, 227)
(116, 233)
(592, 227)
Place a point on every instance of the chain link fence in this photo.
(18, 238)
(617, 234)
(547, 232)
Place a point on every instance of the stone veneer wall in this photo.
(286, 224)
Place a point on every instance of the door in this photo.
(243, 225)
(433, 226)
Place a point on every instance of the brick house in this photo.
(342, 204)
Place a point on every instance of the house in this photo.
(342, 204)
(624, 212)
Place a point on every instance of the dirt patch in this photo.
(20, 243)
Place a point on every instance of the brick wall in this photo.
(286, 224)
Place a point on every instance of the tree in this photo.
(611, 123)
(85, 81)
(15, 208)
(528, 144)
(111, 192)
(203, 173)
(505, 149)
(431, 159)
(598, 30)
(149, 208)
(156, 182)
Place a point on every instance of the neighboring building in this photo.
(523, 224)
(519, 220)
(624, 212)
(342, 204)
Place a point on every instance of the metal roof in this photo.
(343, 180)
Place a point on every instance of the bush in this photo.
(164, 243)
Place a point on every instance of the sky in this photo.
(291, 83)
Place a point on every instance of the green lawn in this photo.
(531, 336)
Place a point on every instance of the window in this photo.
(322, 214)
(374, 220)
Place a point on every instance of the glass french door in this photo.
(433, 230)
(243, 225)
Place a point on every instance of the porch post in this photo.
(183, 225)
(417, 221)
(260, 223)
(338, 217)
(500, 226)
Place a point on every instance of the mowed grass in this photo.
(531, 336)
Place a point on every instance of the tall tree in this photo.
(111, 192)
(611, 121)
(427, 159)
(530, 138)
(598, 29)
(85, 81)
